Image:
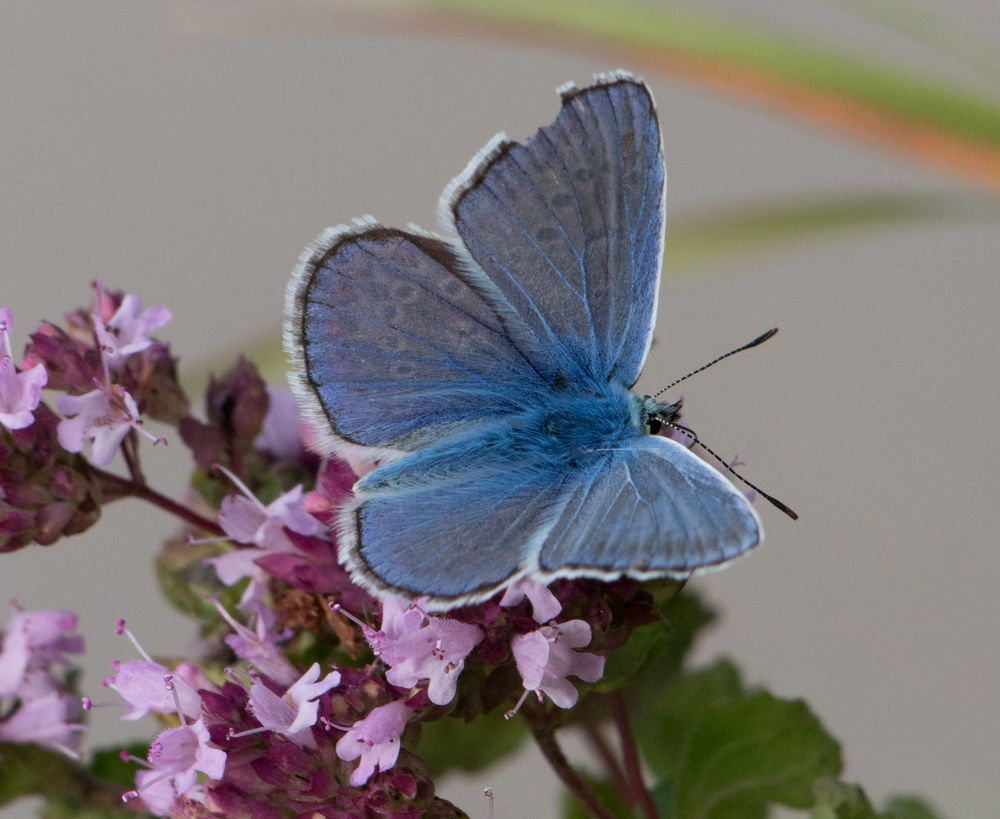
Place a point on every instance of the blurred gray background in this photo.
(186, 151)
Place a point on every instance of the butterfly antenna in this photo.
(690, 433)
(759, 340)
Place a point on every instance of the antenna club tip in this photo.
(764, 337)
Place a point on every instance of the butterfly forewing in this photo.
(566, 232)
(392, 348)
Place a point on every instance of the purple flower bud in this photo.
(236, 406)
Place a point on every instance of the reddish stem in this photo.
(124, 486)
(633, 769)
(600, 745)
(544, 734)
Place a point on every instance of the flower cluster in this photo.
(110, 374)
(308, 695)
(35, 705)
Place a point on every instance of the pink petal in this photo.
(574, 633)
(561, 691)
(106, 442)
(270, 710)
(240, 518)
(531, 655)
(160, 796)
(588, 667)
(141, 684)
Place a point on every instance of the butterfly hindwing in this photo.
(648, 510)
(565, 232)
(460, 520)
(455, 522)
(390, 346)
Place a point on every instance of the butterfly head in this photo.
(656, 414)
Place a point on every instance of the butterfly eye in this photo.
(654, 425)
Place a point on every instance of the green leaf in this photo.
(663, 798)
(686, 614)
(453, 744)
(840, 800)
(108, 765)
(746, 753)
(646, 644)
(908, 807)
(670, 717)
(30, 770)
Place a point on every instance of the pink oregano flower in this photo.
(546, 657)
(33, 642)
(20, 392)
(296, 711)
(146, 686)
(127, 331)
(177, 755)
(259, 647)
(375, 739)
(544, 604)
(45, 721)
(417, 647)
(103, 416)
(246, 520)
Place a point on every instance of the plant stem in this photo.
(544, 733)
(131, 454)
(633, 769)
(600, 745)
(125, 486)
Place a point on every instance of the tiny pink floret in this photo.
(546, 657)
(544, 604)
(418, 647)
(375, 739)
(294, 713)
(127, 331)
(103, 416)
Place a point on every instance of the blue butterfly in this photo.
(489, 373)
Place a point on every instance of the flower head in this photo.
(297, 710)
(545, 658)
(418, 647)
(127, 330)
(177, 755)
(104, 416)
(375, 739)
(20, 392)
